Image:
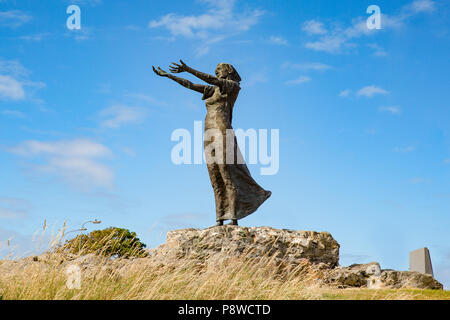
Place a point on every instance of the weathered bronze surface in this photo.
(236, 193)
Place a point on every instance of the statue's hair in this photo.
(232, 73)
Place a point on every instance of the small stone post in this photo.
(420, 261)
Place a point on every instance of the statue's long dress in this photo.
(236, 193)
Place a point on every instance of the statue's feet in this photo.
(233, 222)
(219, 223)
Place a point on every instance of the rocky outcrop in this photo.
(357, 275)
(284, 245)
(289, 248)
(406, 279)
(372, 276)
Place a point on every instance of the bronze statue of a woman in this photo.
(236, 193)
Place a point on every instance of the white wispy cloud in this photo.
(404, 149)
(339, 39)
(314, 27)
(132, 27)
(128, 151)
(183, 219)
(74, 161)
(79, 148)
(92, 3)
(378, 51)
(11, 89)
(391, 109)
(422, 6)
(345, 93)
(220, 21)
(146, 99)
(315, 66)
(331, 44)
(371, 131)
(82, 172)
(278, 40)
(371, 91)
(14, 79)
(419, 180)
(6, 213)
(13, 68)
(103, 88)
(34, 37)
(119, 115)
(83, 34)
(258, 77)
(13, 208)
(13, 113)
(14, 18)
(300, 80)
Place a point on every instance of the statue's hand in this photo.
(178, 68)
(160, 72)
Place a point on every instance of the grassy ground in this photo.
(400, 294)
(144, 279)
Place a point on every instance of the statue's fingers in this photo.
(182, 62)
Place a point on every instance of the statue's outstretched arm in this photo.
(205, 77)
(185, 83)
(178, 68)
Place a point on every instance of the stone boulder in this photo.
(284, 245)
(372, 276)
(406, 279)
(356, 275)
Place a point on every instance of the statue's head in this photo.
(227, 71)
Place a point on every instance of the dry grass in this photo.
(225, 278)
(232, 278)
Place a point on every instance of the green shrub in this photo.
(108, 242)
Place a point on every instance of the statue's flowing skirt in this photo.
(236, 193)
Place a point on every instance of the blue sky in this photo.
(85, 125)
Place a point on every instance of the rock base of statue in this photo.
(287, 249)
(254, 242)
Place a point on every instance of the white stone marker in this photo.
(420, 261)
